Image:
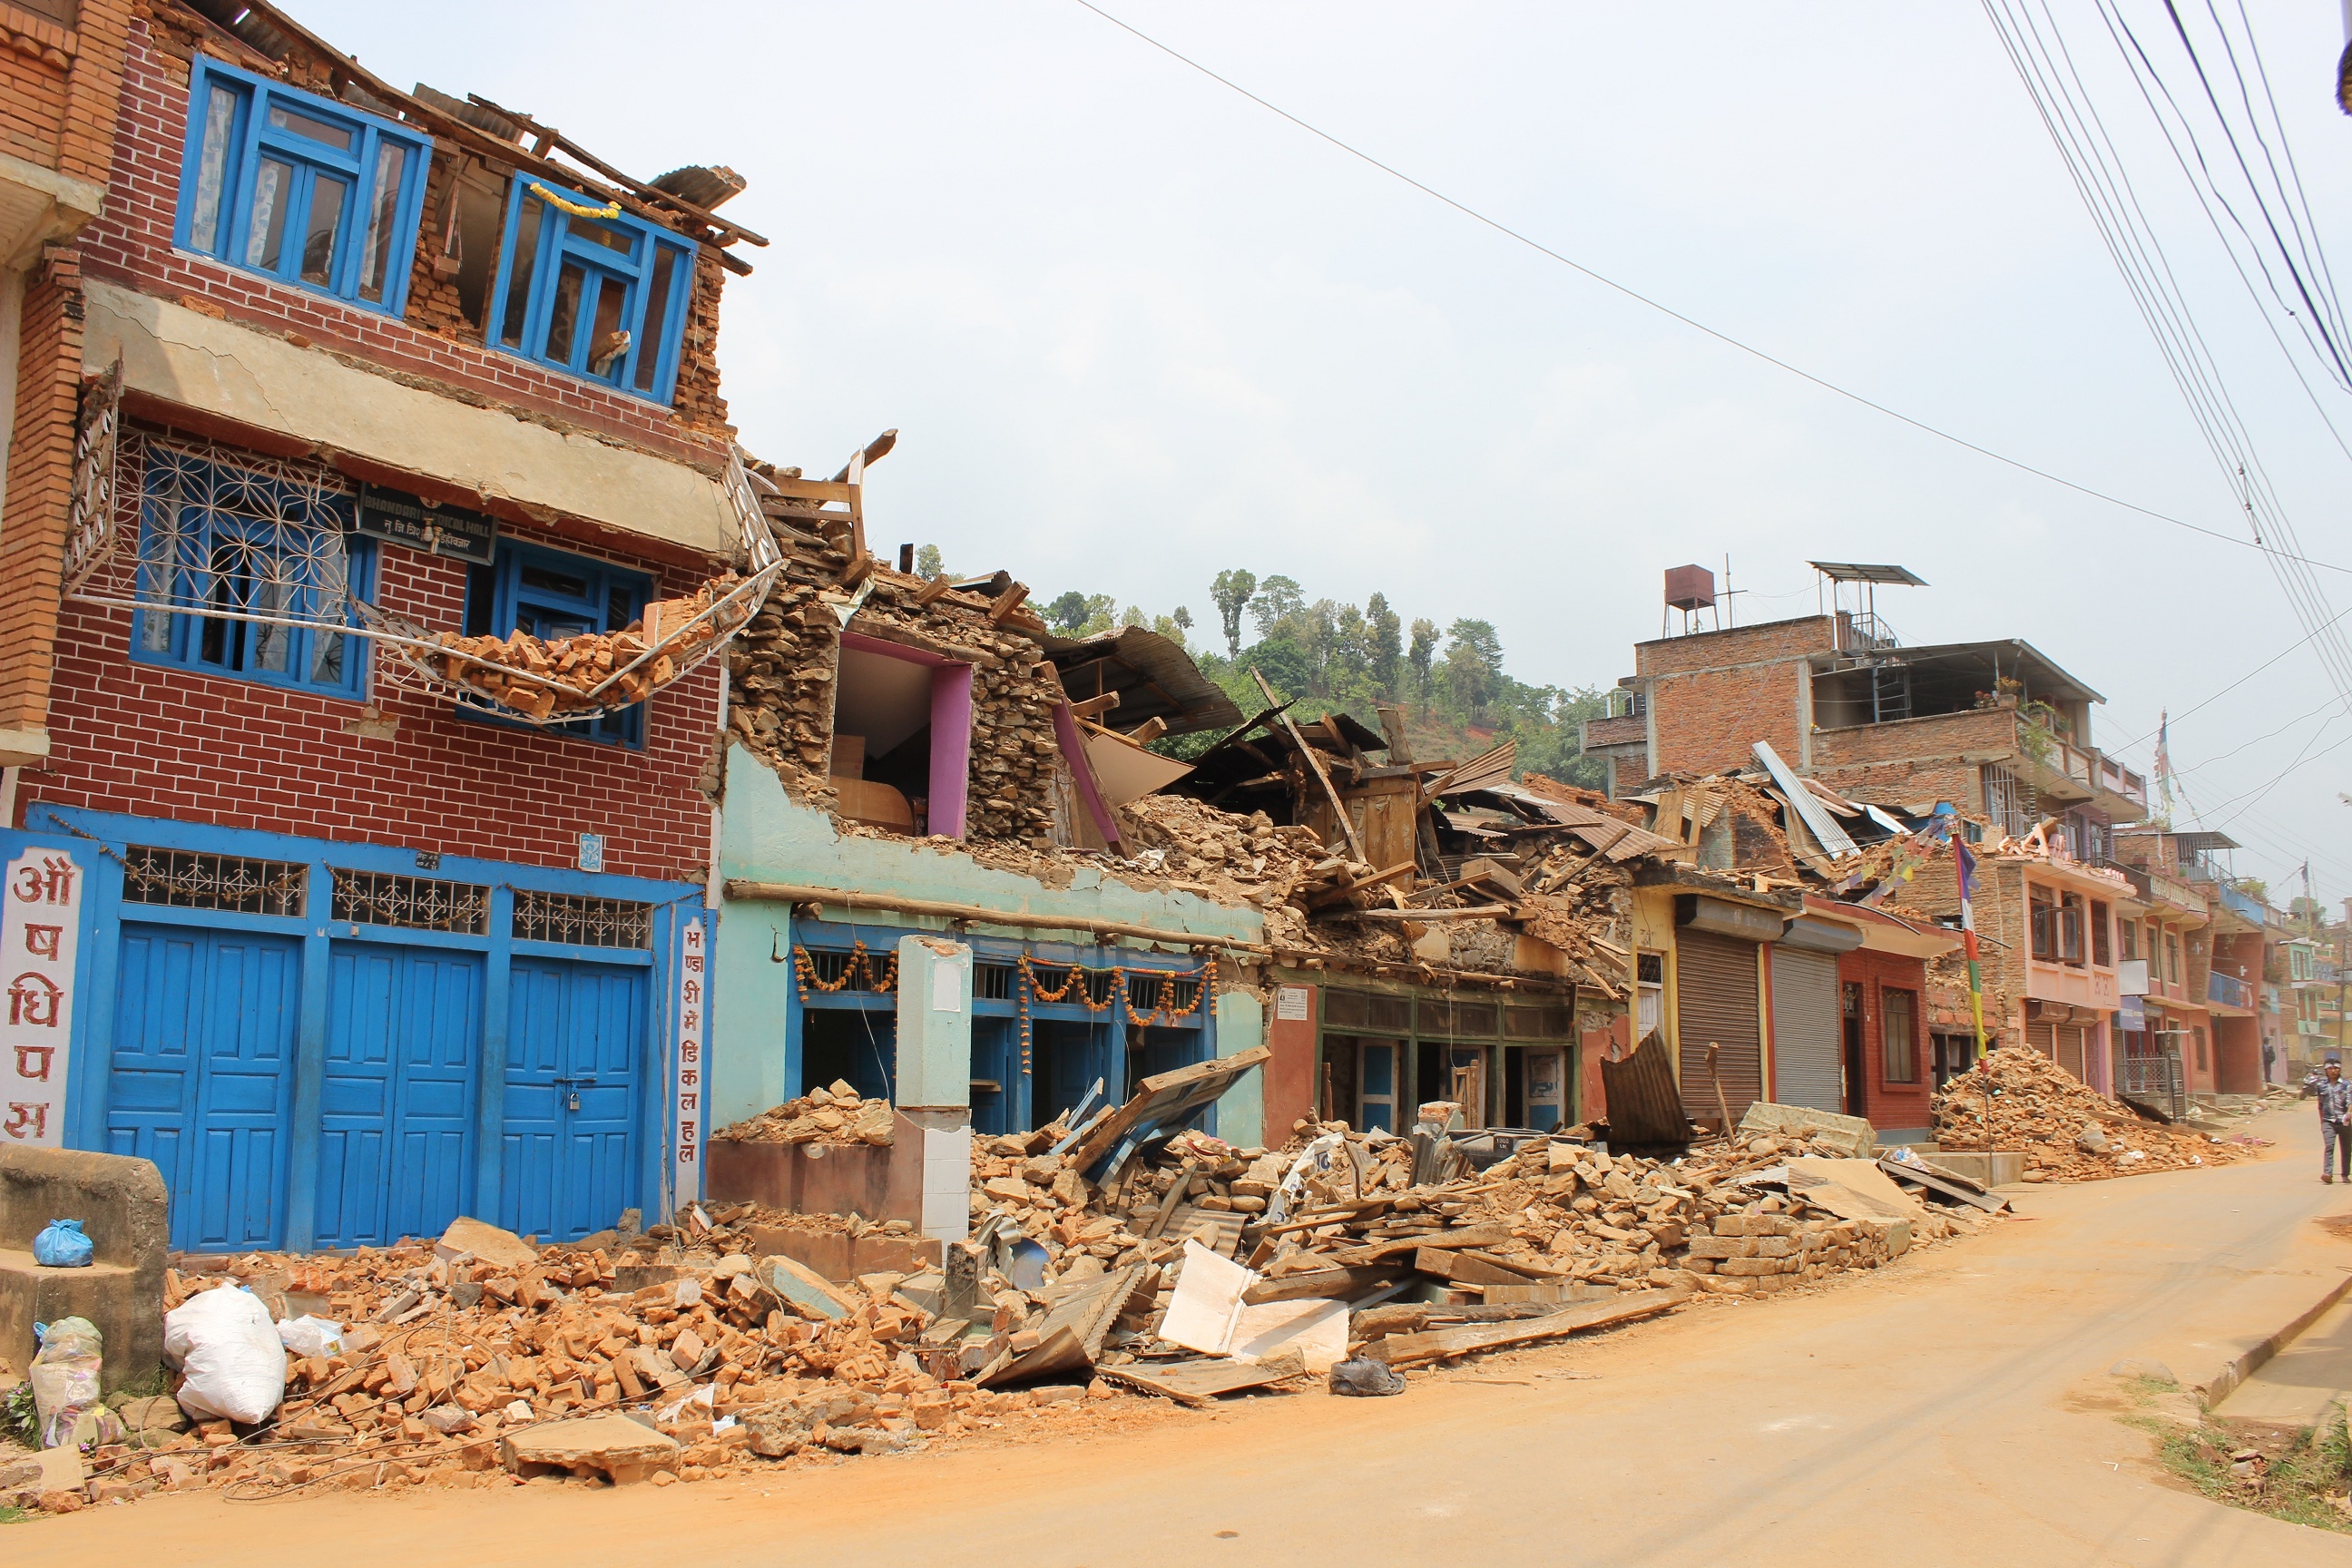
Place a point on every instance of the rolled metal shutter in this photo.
(1715, 1000)
(2042, 1038)
(1805, 1036)
(2069, 1048)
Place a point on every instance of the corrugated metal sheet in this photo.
(1715, 1000)
(1805, 1037)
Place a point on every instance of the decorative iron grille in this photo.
(994, 982)
(183, 879)
(418, 903)
(579, 921)
(1143, 992)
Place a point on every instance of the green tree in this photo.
(1278, 600)
(1387, 638)
(1232, 591)
(927, 562)
(1425, 644)
(1473, 664)
(1068, 613)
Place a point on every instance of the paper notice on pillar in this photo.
(40, 917)
(1290, 1003)
(947, 986)
(1207, 1303)
(685, 1090)
(1316, 1330)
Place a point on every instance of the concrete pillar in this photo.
(934, 1076)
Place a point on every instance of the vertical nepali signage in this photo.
(38, 923)
(686, 1091)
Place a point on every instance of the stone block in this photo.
(487, 1243)
(125, 1209)
(613, 1446)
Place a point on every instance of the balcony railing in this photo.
(2313, 1027)
(2080, 764)
(2246, 906)
(2229, 991)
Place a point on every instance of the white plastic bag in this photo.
(236, 1363)
(64, 1375)
(307, 1335)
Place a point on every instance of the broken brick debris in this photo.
(2021, 1100)
(832, 1115)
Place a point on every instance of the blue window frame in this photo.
(592, 291)
(548, 594)
(300, 188)
(245, 573)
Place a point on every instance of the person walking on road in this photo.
(2335, 1099)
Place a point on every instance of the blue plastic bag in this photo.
(62, 1246)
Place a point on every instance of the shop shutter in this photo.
(2042, 1038)
(2069, 1046)
(1806, 1044)
(1714, 996)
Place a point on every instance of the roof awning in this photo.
(1154, 677)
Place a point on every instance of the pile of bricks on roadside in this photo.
(454, 1353)
(831, 1115)
(2067, 1130)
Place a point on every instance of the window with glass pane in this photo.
(548, 594)
(594, 292)
(1899, 1014)
(300, 188)
(246, 573)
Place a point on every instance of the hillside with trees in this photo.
(1450, 682)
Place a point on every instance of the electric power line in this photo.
(1693, 323)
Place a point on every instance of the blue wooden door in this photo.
(398, 1097)
(201, 1076)
(571, 1160)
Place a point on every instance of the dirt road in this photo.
(1953, 1409)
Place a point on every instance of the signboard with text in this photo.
(40, 918)
(424, 525)
(685, 1090)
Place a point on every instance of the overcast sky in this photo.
(1134, 328)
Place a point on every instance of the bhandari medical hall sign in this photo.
(40, 914)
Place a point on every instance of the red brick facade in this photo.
(131, 244)
(1713, 695)
(160, 741)
(1911, 761)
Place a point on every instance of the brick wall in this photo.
(40, 485)
(1768, 642)
(130, 243)
(58, 87)
(1707, 721)
(157, 741)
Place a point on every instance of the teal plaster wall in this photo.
(767, 837)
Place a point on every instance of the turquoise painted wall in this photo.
(767, 837)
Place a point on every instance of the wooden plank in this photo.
(1445, 1345)
(1983, 1200)
(1196, 1383)
(1349, 889)
(1465, 1266)
(1008, 601)
(1158, 1095)
(934, 590)
(1314, 764)
(1470, 1235)
(1335, 1284)
(1175, 1196)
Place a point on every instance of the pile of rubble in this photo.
(2068, 1132)
(538, 679)
(833, 1115)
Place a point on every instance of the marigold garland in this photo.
(882, 979)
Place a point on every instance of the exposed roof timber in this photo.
(2043, 677)
(482, 141)
(548, 136)
(1858, 571)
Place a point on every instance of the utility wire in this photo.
(1722, 337)
(2209, 701)
(2045, 67)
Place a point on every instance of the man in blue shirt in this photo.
(2334, 1097)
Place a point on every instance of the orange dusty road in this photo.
(1951, 1409)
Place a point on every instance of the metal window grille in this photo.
(579, 921)
(183, 879)
(2008, 801)
(419, 903)
(994, 982)
(1143, 992)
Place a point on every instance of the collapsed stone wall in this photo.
(785, 664)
